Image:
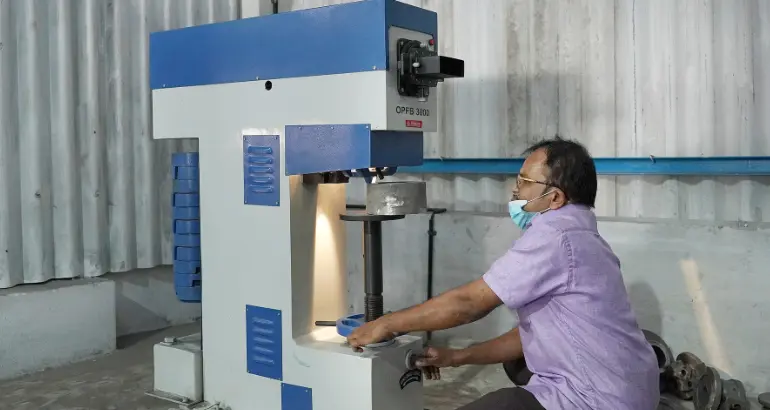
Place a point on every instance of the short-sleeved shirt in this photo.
(580, 336)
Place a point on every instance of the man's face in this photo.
(532, 183)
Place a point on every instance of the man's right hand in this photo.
(437, 357)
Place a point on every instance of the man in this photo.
(576, 327)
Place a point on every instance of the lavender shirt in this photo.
(580, 336)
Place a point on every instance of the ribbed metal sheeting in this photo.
(83, 188)
(628, 78)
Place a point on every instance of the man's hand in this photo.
(435, 358)
(438, 357)
(375, 331)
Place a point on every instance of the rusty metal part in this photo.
(670, 403)
(683, 374)
(734, 396)
(764, 400)
(708, 391)
(662, 351)
(396, 198)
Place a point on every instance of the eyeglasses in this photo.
(520, 181)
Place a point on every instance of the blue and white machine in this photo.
(286, 108)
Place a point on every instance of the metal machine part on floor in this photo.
(286, 109)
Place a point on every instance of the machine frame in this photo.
(276, 102)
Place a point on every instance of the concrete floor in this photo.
(118, 382)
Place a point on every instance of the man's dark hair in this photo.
(571, 169)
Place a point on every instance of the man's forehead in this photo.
(534, 165)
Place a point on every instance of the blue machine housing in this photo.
(339, 39)
(324, 148)
(345, 38)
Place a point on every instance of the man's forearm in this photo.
(498, 350)
(454, 308)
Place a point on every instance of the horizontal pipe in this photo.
(693, 166)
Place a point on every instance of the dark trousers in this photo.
(510, 398)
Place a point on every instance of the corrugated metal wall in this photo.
(83, 189)
(625, 77)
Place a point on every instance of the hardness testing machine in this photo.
(286, 108)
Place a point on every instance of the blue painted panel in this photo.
(412, 18)
(184, 172)
(345, 38)
(344, 147)
(187, 267)
(261, 170)
(186, 200)
(264, 351)
(187, 280)
(182, 253)
(193, 240)
(188, 212)
(187, 251)
(296, 397)
(396, 149)
(186, 186)
(671, 166)
(189, 295)
(184, 159)
(187, 226)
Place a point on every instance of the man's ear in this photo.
(559, 199)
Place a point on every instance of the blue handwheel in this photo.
(347, 324)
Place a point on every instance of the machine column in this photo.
(373, 303)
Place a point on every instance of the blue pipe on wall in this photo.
(690, 166)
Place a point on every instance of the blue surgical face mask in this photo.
(521, 217)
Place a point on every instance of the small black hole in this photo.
(268, 85)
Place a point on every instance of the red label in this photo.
(414, 124)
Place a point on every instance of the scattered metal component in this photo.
(396, 198)
(708, 391)
(734, 396)
(662, 351)
(411, 359)
(670, 403)
(683, 374)
(764, 400)
(183, 402)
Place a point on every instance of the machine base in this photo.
(179, 370)
(381, 378)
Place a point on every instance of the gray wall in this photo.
(703, 287)
(63, 321)
(84, 190)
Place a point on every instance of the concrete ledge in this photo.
(145, 301)
(56, 323)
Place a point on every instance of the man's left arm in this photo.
(533, 268)
(459, 306)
